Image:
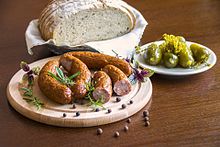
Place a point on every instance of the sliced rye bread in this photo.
(74, 22)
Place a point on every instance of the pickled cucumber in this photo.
(153, 55)
(170, 60)
(174, 52)
(186, 59)
(200, 54)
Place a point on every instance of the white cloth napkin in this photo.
(123, 45)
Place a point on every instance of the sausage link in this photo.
(50, 87)
(74, 65)
(103, 86)
(98, 61)
(121, 84)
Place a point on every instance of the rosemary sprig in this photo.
(116, 54)
(90, 87)
(93, 103)
(28, 80)
(35, 101)
(27, 92)
(30, 98)
(62, 78)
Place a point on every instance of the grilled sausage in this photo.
(121, 84)
(50, 87)
(103, 86)
(98, 61)
(74, 65)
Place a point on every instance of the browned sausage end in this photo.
(103, 86)
(121, 84)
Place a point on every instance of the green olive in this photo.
(200, 54)
(186, 59)
(170, 60)
(153, 55)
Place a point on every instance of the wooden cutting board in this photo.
(52, 113)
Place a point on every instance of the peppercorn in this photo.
(99, 131)
(146, 119)
(145, 113)
(147, 123)
(126, 128)
(116, 134)
(97, 110)
(123, 106)
(64, 114)
(109, 110)
(74, 106)
(118, 99)
(131, 101)
(129, 120)
(77, 113)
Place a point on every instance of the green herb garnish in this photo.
(30, 98)
(62, 78)
(27, 92)
(93, 103)
(138, 50)
(173, 44)
(28, 80)
(36, 70)
(116, 54)
(139, 75)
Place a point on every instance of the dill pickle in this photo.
(200, 54)
(170, 60)
(186, 59)
(153, 55)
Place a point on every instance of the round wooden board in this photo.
(52, 113)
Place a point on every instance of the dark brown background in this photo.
(184, 111)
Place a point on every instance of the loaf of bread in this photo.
(74, 22)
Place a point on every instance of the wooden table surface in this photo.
(184, 111)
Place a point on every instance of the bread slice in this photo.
(75, 22)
